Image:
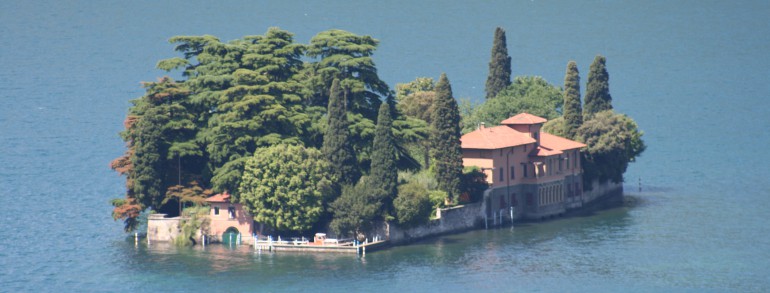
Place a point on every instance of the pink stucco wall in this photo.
(240, 220)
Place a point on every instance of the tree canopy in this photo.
(531, 94)
(573, 112)
(447, 161)
(613, 140)
(499, 65)
(598, 96)
(285, 186)
(337, 146)
(384, 174)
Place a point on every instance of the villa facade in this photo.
(531, 173)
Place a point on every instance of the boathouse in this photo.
(228, 219)
(532, 174)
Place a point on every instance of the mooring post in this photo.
(511, 216)
(136, 238)
(486, 221)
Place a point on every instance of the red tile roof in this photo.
(494, 138)
(554, 142)
(219, 197)
(524, 118)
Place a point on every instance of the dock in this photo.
(320, 245)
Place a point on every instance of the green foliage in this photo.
(148, 162)
(556, 127)
(285, 186)
(474, 183)
(415, 99)
(413, 205)
(613, 141)
(447, 161)
(356, 208)
(598, 96)
(336, 145)
(531, 94)
(384, 174)
(437, 198)
(261, 106)
(347, 57)
(499, 66)
(194, 219)
(573, 112)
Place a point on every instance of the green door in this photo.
(230, 236)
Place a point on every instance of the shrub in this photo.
(413, 205)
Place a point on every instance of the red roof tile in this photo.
(524, 118)
(554, 142)
(494, 138)
(219, 197)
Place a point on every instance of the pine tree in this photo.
(384, 174)
(445, 140)
(598, 89)
(573, 113)
(499, 66)
(336, 146)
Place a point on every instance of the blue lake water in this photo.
(695, 75)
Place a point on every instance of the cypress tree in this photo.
(598, 89)
(384, 174)
(336, 146)
(499, 66)
(445, 140)
(573, 114)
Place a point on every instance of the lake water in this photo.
(695, 75)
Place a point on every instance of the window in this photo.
(574, 162)
(501, 175)
(231, 212)
(216, 210)
(513, 172)
(561, 163)
(524, 170)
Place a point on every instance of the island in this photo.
(268, 142)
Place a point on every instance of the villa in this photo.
(532, 174)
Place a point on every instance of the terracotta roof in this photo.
(494, 138)
(219, 197)
(554, 142)
(524, 118)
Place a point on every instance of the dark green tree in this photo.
(347, 57)
(446, 155)
(573, 112)
(413, 205)
(356, 208)
(499, 66)
(531, 94)
(261, 107)
(149, 160)
(285, 186)
(384, 174)
(598, 96)
(336, 145)
(613, 140)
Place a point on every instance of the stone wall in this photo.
(162, 229)
(605, 194)
(451, 220)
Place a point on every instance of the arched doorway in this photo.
(230, 236)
